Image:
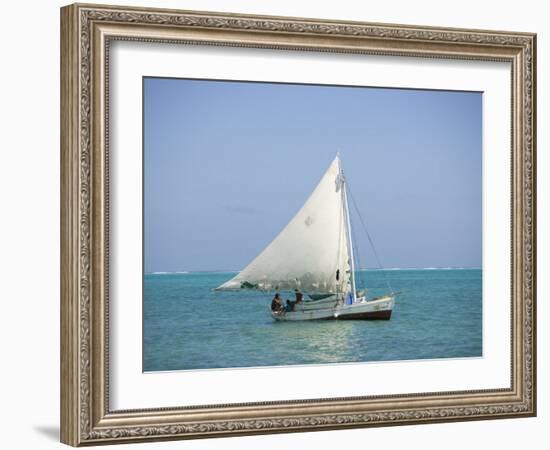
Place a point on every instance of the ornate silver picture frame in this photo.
(87, 32)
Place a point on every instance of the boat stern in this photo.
(377, 309)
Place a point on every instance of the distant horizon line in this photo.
(183, 272)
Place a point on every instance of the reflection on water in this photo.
(189, 326)
(312, 342)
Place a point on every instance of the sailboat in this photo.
(314, 254)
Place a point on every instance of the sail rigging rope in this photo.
(357, 258)
(370, 241)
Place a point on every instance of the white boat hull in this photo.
(361, 309)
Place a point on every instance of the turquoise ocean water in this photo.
(187, 325)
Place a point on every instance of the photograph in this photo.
(298, 224)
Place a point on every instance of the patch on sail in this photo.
(247, 285)
(339, 181)
(308, 221)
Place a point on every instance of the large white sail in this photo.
(310, 250)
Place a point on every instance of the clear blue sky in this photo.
(227, 165)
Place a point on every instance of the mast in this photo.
(348, 234)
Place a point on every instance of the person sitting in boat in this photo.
(277, 304)
(299, 296)
(290, 305)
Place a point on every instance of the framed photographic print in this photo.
(276, 224)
